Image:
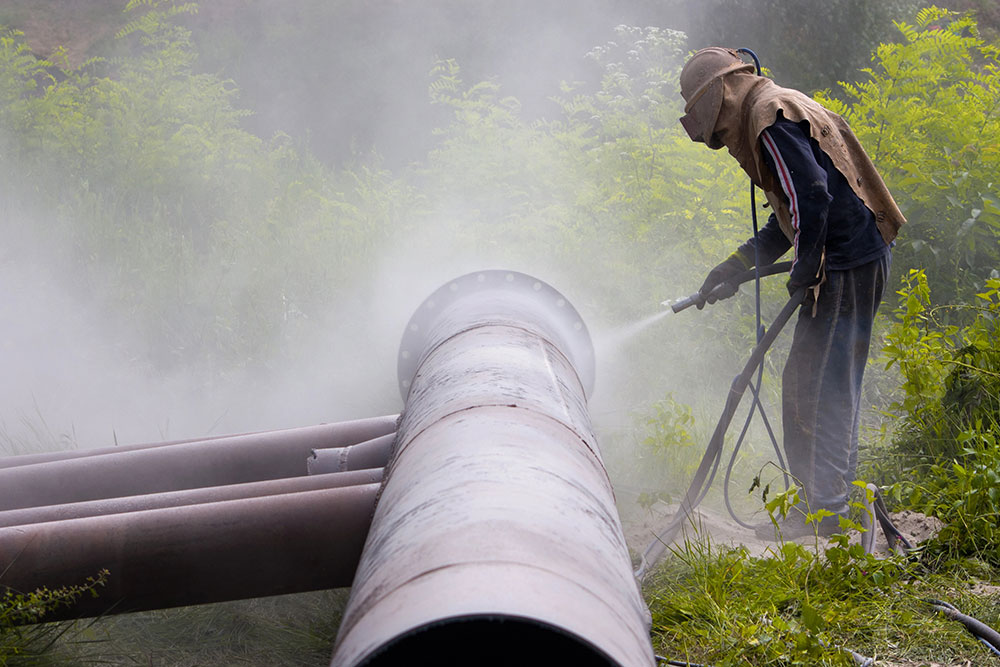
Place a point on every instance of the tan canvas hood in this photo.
(751, 105)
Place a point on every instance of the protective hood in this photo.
(703, 88)
(751, 104)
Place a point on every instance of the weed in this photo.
(949, 437)
(21, 640)
(800, 606)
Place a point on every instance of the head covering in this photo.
(750, 104)
(702, 88)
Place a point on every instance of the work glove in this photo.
(734, 265)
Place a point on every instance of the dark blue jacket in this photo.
(826, 214)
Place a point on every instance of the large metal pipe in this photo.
(217, 462)
(211, 552)
(214, 494)
(496, 539)
(370, 454)
(320, 432)
(15, 460)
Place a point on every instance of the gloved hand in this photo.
(720, 275)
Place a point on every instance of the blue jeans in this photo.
(821, 383)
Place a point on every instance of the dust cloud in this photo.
(78, 374)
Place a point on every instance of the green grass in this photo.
(710, 605)
(803, 606)
(27, 644)
(282, 631)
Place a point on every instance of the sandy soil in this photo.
(719, 529)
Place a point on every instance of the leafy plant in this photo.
(929, 116)
(950, 409)
(795, 606)
(213, 246)
(950, 373)
(18, 611)
(667, 453)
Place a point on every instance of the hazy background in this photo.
(220, 220)
(208, 293)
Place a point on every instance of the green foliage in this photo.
(929, 115)
(793, 607)
(614, 175)
(210, 244)
(669, 426)
(806, 44)
(951, 374)
(665, 190)
(18, 611)
(667, 452)
(950, 408)
(916, 346)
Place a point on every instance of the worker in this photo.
(832, 208)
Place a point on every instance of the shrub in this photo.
(951, 413)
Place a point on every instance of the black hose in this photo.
(983, 632)
(892, 534)
(992, 649)
(677, 663)
(758, 406)
(710, 461)
(860, 660)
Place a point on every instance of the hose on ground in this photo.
(980, 630)
(713, 454)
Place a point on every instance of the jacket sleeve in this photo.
(771, 243)
(789, 154)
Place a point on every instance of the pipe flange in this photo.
(564, 318)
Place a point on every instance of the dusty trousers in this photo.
(821, 383)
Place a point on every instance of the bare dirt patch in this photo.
(717, 528)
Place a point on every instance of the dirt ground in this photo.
(720, 530)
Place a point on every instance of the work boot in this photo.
(794, 526)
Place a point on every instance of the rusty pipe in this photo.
(211, 552)
(62, 454)
(230, 460)
(150, 501)
(496, 525)
(320, 431)
(371, 454)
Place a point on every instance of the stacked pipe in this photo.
(188, 522)
(496, 539)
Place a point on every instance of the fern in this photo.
(928, 116)
(154, 16)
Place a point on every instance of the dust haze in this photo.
(75, 376)
(81, 371)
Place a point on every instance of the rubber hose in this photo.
(677, 663)
(714, 451)
(973, 625)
